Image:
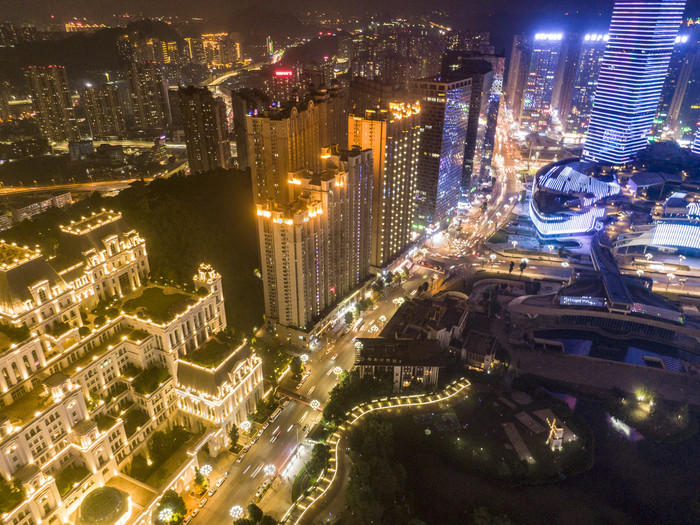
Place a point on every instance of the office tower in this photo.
(315, 249)
(149, 96)
(52, 102)
(683, 62)
(281, 83)
(366, 93)
(444, 102)
(517, 74)
(539, 86)
(565, 76)
(585, 82)
(696, 145)
(289, 137)
(642, 35)
(104, 110)
(206, 129)
(245, 102)
(393, 135)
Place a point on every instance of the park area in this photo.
(502, 435)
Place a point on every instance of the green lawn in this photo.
(69, 476)
(211, 354)
(150, 379)
(155, 304)
(134, 418)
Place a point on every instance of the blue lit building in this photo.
(585, 82)
(539, 86)
(567, 202)
(444, 116)
(696, 145)
(642, 37)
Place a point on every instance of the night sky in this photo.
(502, 17)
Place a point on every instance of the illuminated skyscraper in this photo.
(206, 129)
(393, 135)
(684, 60)
(642, 36)
(585, 82)
(105, 111)
(52, 102)
(288, 138)
(517, 74)
(696, 145)
(444, 102)
(149, 96)
(315, 249)
(539, 86)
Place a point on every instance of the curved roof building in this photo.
(566, 201)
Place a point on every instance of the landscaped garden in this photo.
(164, 456)
(70, 477)
(211, 354)
(133, 419)
(11, 494)
(150, 379)
(155, 304)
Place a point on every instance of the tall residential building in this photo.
(517, 74)
(220, 49)
(366, 93)
(52, 102)
(245, 102)
(539, 86)
(195, 50)
(288, 138)
(393, 135)
(149, 96)
(315, 249)
(105, 111)
(642, 36)
(206, 129)
(444, 102)
(576, 118)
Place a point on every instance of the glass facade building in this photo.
(642, 37)
(537, 99)
(585, 82)
(444, 102)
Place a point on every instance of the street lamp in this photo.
(315, 404)
(648, 256)
(304, 358)
(206, 470)
(337, 370)
(681, 258)
(236, 512)
(269, 470)
(493, 258)
(640, 273)
(246, 425)
(670, 277)
(165, 515)
(514, 243)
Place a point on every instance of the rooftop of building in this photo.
(12, 255)
(12, 335)
(86, 224)
(382, 351)
(207, 369)
(159, 303)
(414, 318)
(480, 343)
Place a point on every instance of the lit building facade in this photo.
(517, 74)
(632, 74)
(104, 110)
(684, 60)
(316, 249)
(70, 395)
(444, 102)
(52, 102)
(206, 129)
(585, 82)
(148, 89)
(695, 148)
(393, 135)
(288, 138)
(539, 86)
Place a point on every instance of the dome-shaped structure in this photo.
(103, 506)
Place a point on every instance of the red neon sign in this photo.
(283, 73)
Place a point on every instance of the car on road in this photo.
(267, 424)
(220, 482)
(187, 520)
(254, 440)
(275, 436)
(195, 512)
(240, 458)
(334, 357)
(246, 448)
(203, 502)
(212, 492)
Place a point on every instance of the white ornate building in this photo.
(69, 387)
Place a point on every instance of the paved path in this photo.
(517, 441)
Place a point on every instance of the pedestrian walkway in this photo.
(517, 441)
